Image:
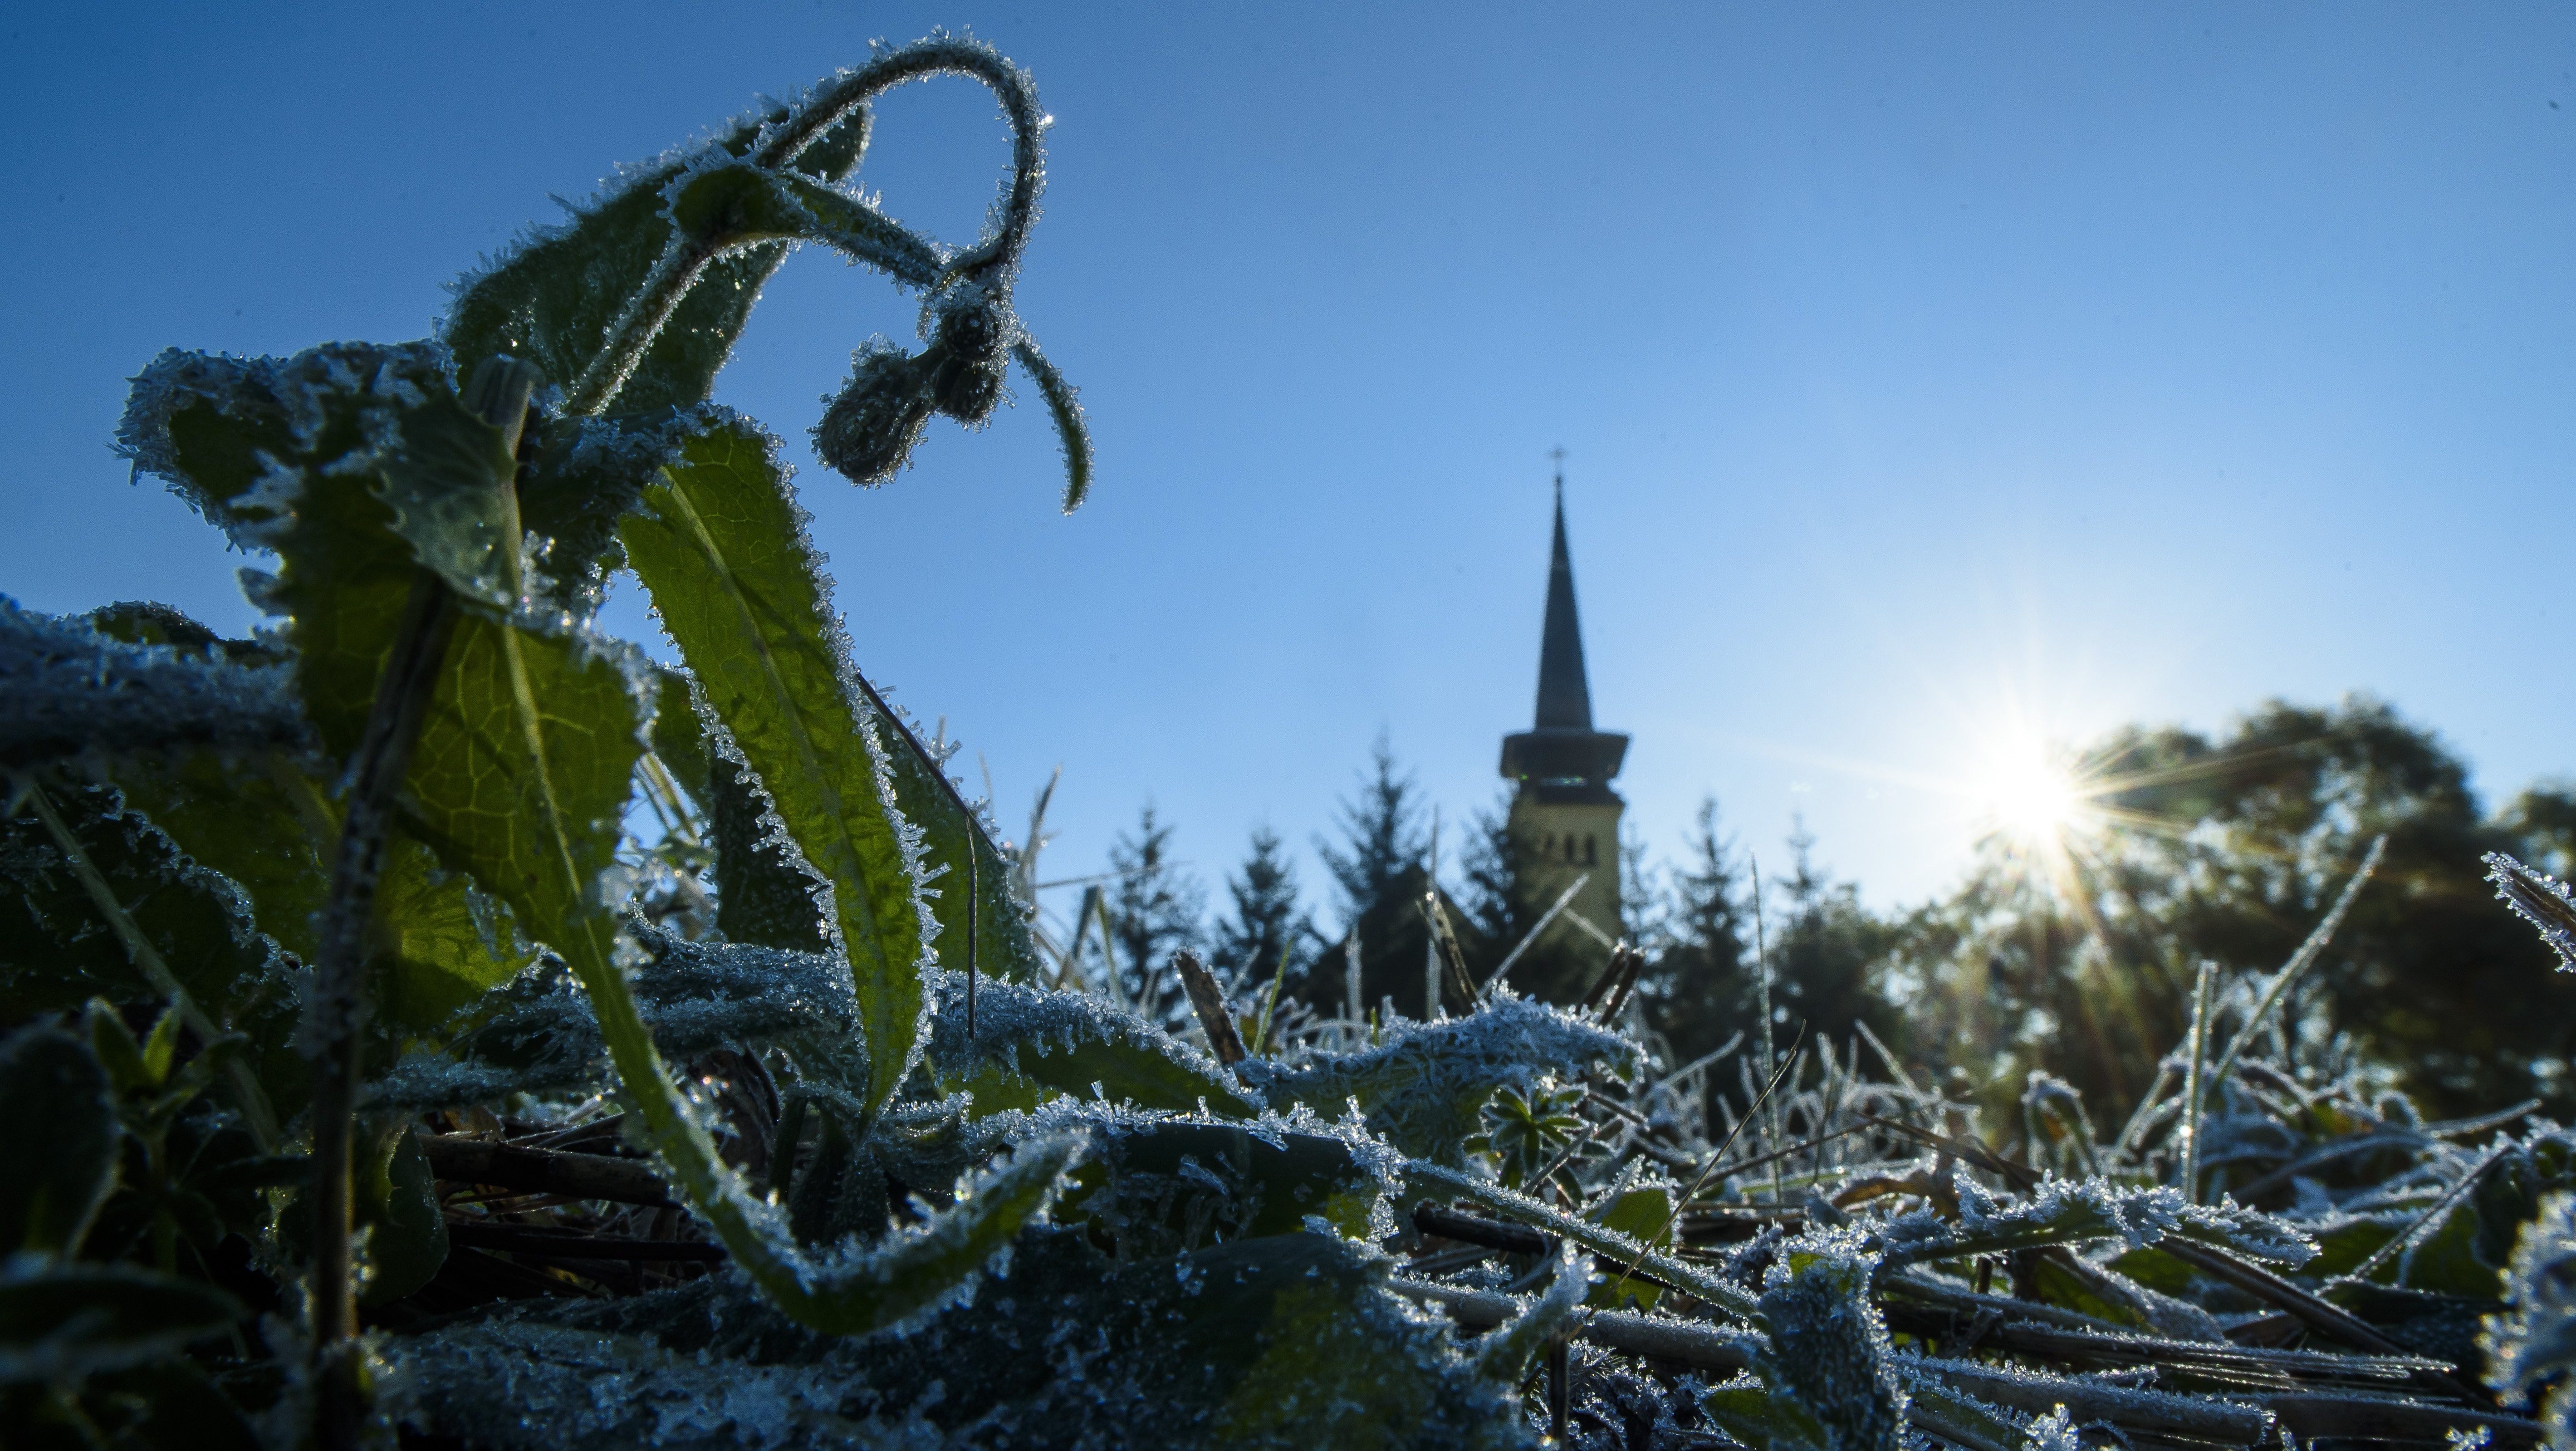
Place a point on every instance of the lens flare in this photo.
(2033, 797)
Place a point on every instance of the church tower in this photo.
(1565, 815)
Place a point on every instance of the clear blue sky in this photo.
(1918, 365)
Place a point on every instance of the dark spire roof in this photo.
(1564, 694)
(1562, 756)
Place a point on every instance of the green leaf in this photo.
(60, 1322)
(720, 543)
(398, 1205)
(556, 295)
(679, 737)
(59, 948)
(1826, 1358)
(1164, 1186)
(1067, 1042)
(267, 823)
(1646, 1216)
(338, 459)
(62, 1161)
(1425, 1087)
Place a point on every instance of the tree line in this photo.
(2077, 960)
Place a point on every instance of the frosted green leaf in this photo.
(1286, 1341)
(58, 949)
(1065, 1042)
(1425, 1087)
(1825, 1356)
(68, 690)
(1646, 1216)
(397, 1203)
(1506, 1351)
(721, 544)
(2065, 1211)
(554, 296)
(352, 461)
(539, 1033)
(2535, 1340)
(1430, 1180)
(1159, 1186)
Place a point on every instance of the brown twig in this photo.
(1208, 1001)
(559, 1244)
(546, 1171)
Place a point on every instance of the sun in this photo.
(2030, 793)
(2033, 798)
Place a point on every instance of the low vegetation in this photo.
(371, 1085)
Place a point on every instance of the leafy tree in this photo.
(1155, 910)
(1268, 924)
(2081, 959)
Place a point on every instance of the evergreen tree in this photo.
(1503, 904)
(1699, 988)
(1154, 911)
(1381, 876)
(1268, 924)
(1382, 836)
(1825, 963)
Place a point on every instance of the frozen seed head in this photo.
(869, 431)
(965, 355)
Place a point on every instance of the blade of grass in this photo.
(2301, 960)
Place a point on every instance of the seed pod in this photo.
(966, 354)
(869, 431)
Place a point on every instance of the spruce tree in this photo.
(1825, 960)
(1700, 986)
(1268, 923)
(1382, 836)
(1154, 911)
(1379, 870)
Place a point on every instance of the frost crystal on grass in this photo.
(2064, 1211)
(1425, 1087)
(67, 690)
(2540, 899)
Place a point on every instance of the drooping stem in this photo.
(686, 258)
(1009, 84)
(335, 1008)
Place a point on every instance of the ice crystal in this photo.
(66, 690)
(1425, 1087)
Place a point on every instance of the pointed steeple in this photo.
(1564, 692)
(1561, 754)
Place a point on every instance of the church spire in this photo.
(1561, 752)
(1564, 692)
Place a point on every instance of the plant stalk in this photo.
(335, 1010)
